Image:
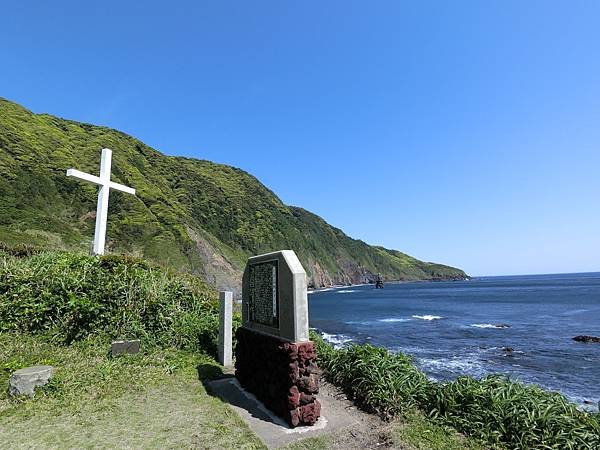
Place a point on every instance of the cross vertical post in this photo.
(102, 208)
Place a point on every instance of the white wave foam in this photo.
(457, 365)
(360, 322)
(489, 325)
(575, 312)
(337, 340)
(320, 290)
(374, 322)
(407, 349)
(346, 291)
(428, 317)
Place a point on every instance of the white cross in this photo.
(105, 185)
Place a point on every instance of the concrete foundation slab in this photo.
(274, 431)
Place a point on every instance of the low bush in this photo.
(501, 411)
(73, 296)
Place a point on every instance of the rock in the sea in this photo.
(587, 339)
(24, 381)
(502, 325)
(508, 349)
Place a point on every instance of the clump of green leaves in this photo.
(496, 409)
(74, 296)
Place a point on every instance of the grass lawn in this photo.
(150, 400)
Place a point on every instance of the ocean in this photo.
(520, 326)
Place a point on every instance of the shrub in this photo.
(496, 409)
(73, 296)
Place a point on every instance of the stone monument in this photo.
(275, 360)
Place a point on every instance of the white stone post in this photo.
(226, 328)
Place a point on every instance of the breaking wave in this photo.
(428, 317)
(337, 340)
(489, 325)
(440, 368)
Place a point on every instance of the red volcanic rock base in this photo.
(281, 374)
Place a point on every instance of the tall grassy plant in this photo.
(377, 380)
(514, 414)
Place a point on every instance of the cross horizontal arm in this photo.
(84, 176)
(122, 188)
(97, 180)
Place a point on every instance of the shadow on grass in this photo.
(209, 372)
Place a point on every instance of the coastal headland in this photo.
(188, 214)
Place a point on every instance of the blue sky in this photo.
(463, 132)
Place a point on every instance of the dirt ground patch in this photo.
(414, 432)
(369, 432)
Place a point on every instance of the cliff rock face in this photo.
(193, 215)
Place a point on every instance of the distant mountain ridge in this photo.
(190, 214)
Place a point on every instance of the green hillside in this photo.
(189, 214)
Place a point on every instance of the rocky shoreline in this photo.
(312, 288)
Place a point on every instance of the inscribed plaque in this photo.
(263, 299)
